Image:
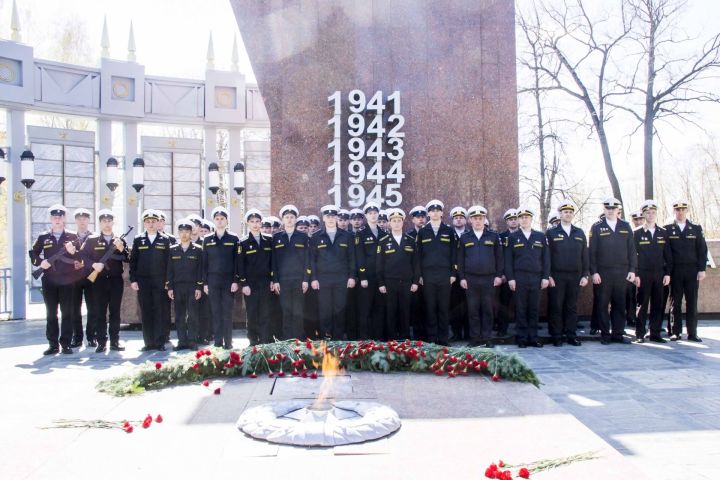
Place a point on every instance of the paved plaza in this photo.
(650, 411)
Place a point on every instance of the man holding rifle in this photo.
(103, 255)
(55, 252)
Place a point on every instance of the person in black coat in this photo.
(398, 274)
(480, 269)
(418, 217)
(291, 272)
(221, 279)
(148, 272)
(255, 264)
(107, 290)
(184, 285)
(653, 273)
(569, 272)
(57, 279)
(613, 262)
(436, 243)
(332, 263)
(689, 257)
(505, 302)
(527, 268)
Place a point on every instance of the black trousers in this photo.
(595, 317)
(257, 308)
(631, 304)
(650, 294)
(221, 305)
(107, 295)
(311, 314)
(480, 297)
(684, 284)
(417, 314)
(152, 296)
(613, 296)
(370, 311)
(527, 306)
(563, 305)
(505, 309)
(276, 317)
(332, 301)
(83, 288)
(55, 295)
(205, 324)
(186, 313)
(291, 301)
(437, 308)
(458, 312)
(397, 308)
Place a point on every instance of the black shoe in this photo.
(66, 350)
(52, 351)
(557, 343)
(502, 333)
(474, 343)
(100, 348)
(574, 342)
(657, 339)
(522, 345)
(617, 340)
(115, 347)
(489, 344)
(536, 344)
(605, 341)
(639, 340)
(217, 345)
(92, 343)
(148, 348)
(695, 338)
(161, 347)
(192, 346)
(594, 331)
(179, 347)
(228, 347)
(76, 343)
(675, 338)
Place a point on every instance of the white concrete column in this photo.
(210, 154)
(104, 146)
(236, 202)
(133, 204)
(18, 243)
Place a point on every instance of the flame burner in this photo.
(324, 424)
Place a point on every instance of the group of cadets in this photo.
(360, 274)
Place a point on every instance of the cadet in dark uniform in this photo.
(302, 224)
(569, 272)
(167, 321)
(291, 272)
(355, 223)
(637, 220)
(184, 284)
(344, 219)
(107, 290)
(480, 270)
(266, 227)
(274, 309)
(653, 273)
(437, 248)
(332, 262)
(458, 302)
(255, 264)
(357, 220)
(527, 268)
(148, 271)
(613, 262)
(689, 259)
(398, 275)
(205, 325)
(595, 316)
(82, 288)
(418, 217)
(311, 316)
(382, 219)
(554, 219)
(506, 304)
(220, 275)
(314, 225)
(371, 309)
(57, 280)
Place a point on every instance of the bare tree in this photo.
(583, 49)
(672, 80)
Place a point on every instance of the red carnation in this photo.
(281, 373)
(271, 374)
(206, 383)
(253, 375)
(217, 391)
(295, 373)
(158, 365)
(195, 366)
(234, 356)
(254, 350)
(501, 464)
(198, 354)
(304, 374)
(228, 365)
(313, 375)
(126, 424)
(496, 378)
(422, 353)
(468, 356)
(524, 473)
(506, 475)
(159, 418)
(483, 364)
(128, 429)
(147, 422)
(296, 350)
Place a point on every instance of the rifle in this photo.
(94, 274)
(58, 256)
